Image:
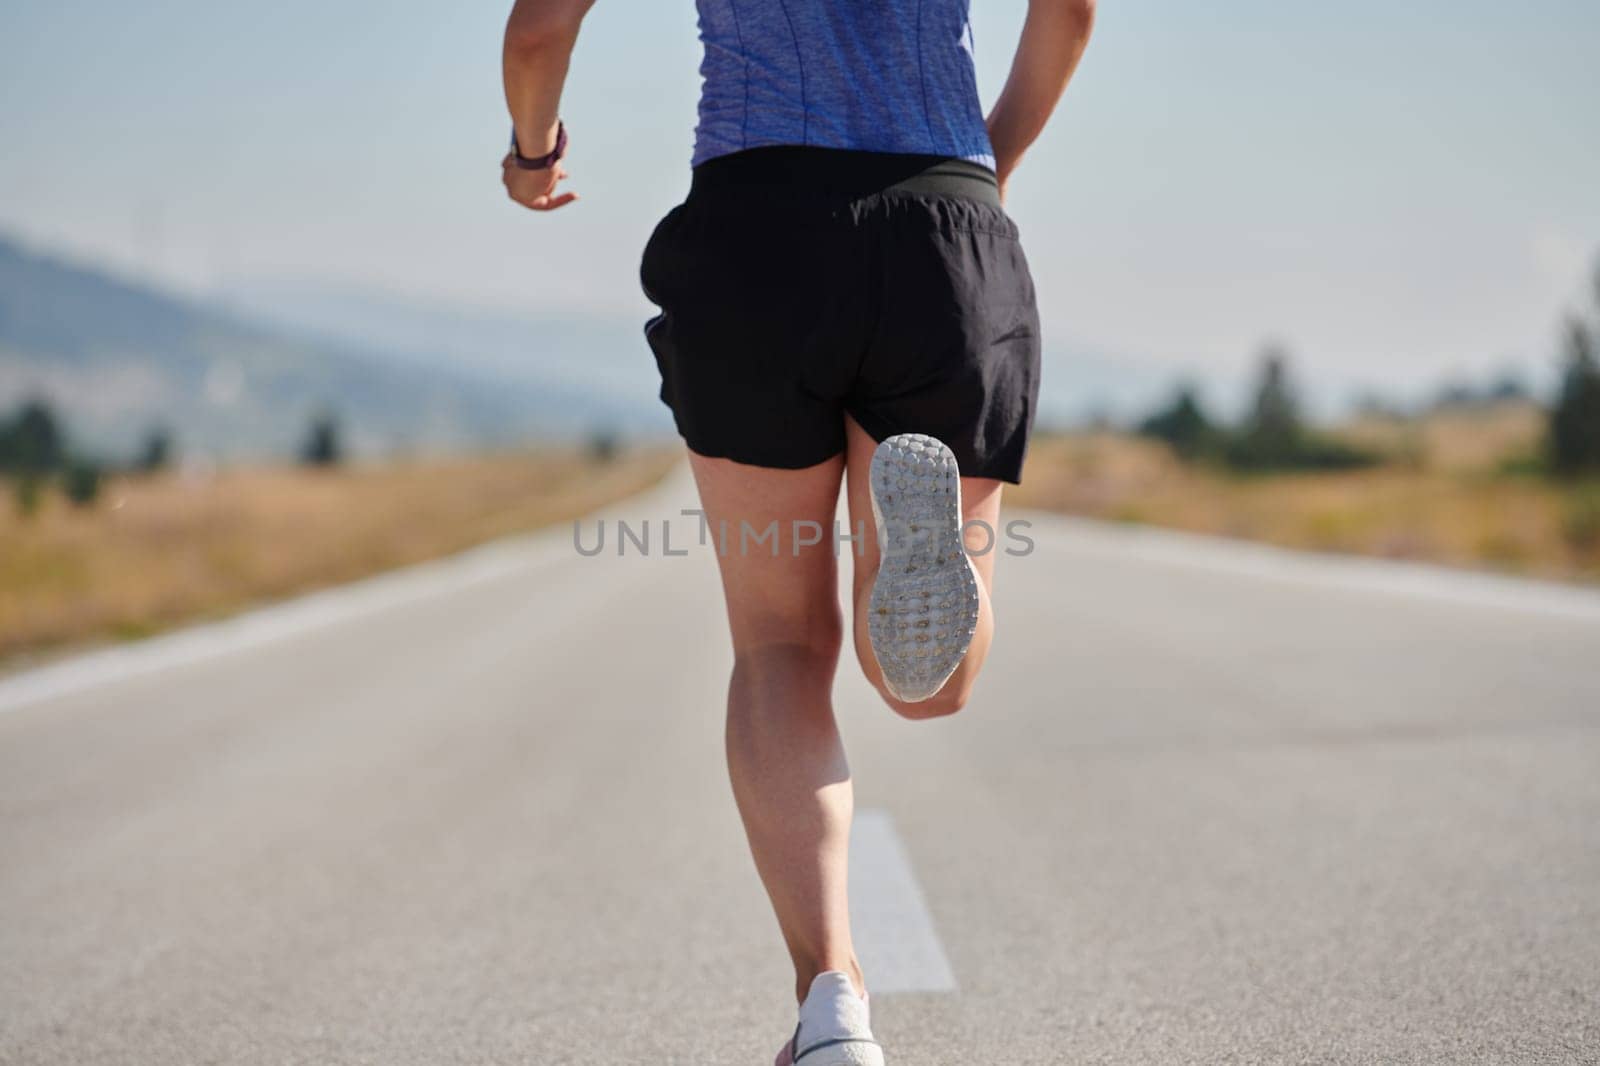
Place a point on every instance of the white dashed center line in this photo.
(894, 934)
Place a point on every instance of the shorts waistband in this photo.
(843, 174)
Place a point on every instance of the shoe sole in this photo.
(924, 605)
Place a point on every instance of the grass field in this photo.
(156, 551)
(1440, 496)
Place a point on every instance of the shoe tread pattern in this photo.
(924, 604)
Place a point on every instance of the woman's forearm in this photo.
(1053, 40)
(540, 35)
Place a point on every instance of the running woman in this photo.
(843, 299)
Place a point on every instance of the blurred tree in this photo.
(603, 445)
(1508, 387)
(1274, 437)
(322, 445)
(1182, 424)
(1276, 416)
(32, 442)
(1271, 435)
(1582, 520)
(81, 482)
(1457, 396)
(155, 453)
(1573, 443)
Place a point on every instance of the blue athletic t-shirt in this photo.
(872, 75)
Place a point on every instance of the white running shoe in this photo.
(835, 1027)
(924, 606)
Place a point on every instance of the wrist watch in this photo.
(543, 162)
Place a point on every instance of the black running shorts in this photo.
(798, 285)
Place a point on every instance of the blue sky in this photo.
(1401, 192)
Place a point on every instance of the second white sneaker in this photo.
(835, 1027)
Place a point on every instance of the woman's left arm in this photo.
(1053, 39)
(540, 35)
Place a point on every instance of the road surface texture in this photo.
(1213, 803)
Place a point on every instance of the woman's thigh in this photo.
(772, 531)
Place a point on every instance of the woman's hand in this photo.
(535, 189)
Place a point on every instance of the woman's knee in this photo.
(790, 650)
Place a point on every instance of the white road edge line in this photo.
(316, 610)
(264, 625)
(894, 935)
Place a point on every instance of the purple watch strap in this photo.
(544, 162)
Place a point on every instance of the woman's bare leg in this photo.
(790, 777)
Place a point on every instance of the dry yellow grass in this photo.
(1456, 441)
(1399, 511)
(157, 551)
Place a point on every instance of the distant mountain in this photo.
(115, 357)
(592, 353)
(605, 354)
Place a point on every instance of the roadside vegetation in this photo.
(1488, 478)
(154, 546)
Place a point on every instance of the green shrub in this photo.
(323, 445)
(28, 494)
(1524, 464)
(603, 446)
(1249, 454)
(32, 442)
(1183, 425)
(155, 453)
(1581, 524)
(81, 482)
(1573, 443)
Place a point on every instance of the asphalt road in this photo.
(1212, 804)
